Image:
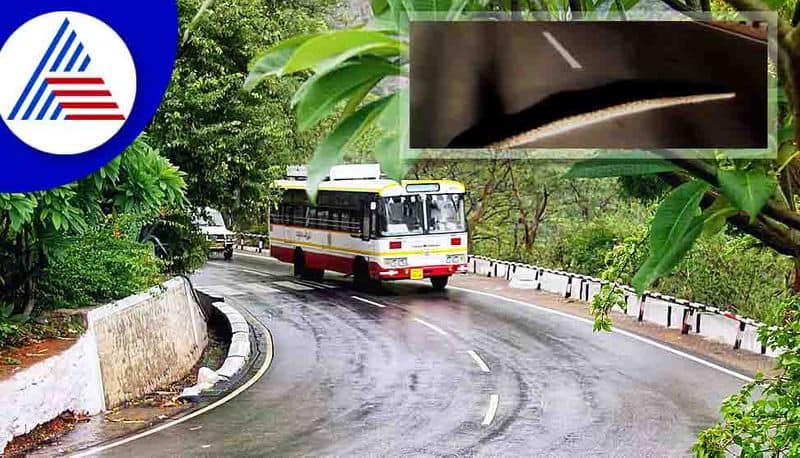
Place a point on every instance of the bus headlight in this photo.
(396, 262)
(456, 259)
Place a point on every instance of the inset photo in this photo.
(589, 85)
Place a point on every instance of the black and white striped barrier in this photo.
(671, 312)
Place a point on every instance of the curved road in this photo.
(414, 372)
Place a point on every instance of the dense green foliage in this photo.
(102, 264)
(177, 240)
(232, 144)
(64, 247)
(733, 272)
(763, 419)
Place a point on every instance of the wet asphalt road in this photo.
(350, 378)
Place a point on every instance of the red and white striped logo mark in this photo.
(85, 98)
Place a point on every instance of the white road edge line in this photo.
(261, 371)
(367, 301)
(563, 51)
(616, 330)
(239, 253)
(479, 361)
(431, 326)
(494, 400)
(255, 272)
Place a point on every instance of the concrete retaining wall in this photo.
(723, 327)
(130, 347)
(148, 340)
(69, 380)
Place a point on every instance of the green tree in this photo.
(232, 143)
(35, 227)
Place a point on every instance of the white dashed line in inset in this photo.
(563, 51)
(494, 400)
(367, 301)
(479, 361)
(431, 326)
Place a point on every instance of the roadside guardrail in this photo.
(653, 307)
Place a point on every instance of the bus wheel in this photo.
(299, 263)
(361, 280)
(439, 283)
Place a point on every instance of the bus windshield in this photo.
(446, 213)
(405, 215)
(401, 215)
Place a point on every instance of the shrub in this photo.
(102, 265)
(762, 418)
(732, 272)
(178, 242)
(581, 246)
(9, 326)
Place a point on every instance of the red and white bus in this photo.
(373, 228)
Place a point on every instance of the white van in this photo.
(220, 239)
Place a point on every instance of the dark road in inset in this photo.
(474, 84)
(412, 372)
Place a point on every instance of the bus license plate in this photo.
(416, 274)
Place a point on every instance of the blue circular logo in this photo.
(78, 85)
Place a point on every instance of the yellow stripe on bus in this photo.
(382, 254)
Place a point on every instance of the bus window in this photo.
(352, 221)
(446, 213)
(401, 215)
(298, 215)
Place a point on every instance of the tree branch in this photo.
(675, 5)
(784, 29)
(706, 172)
(765, 230)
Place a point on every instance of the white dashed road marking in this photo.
(479, 361)
(294, 286)
(616, 330)
(431, 326)
(258, 288)
(367, 301)
(563, 51)
(494, 400)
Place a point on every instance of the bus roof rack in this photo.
(339, 172)
(355, 172)
(297, 172)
